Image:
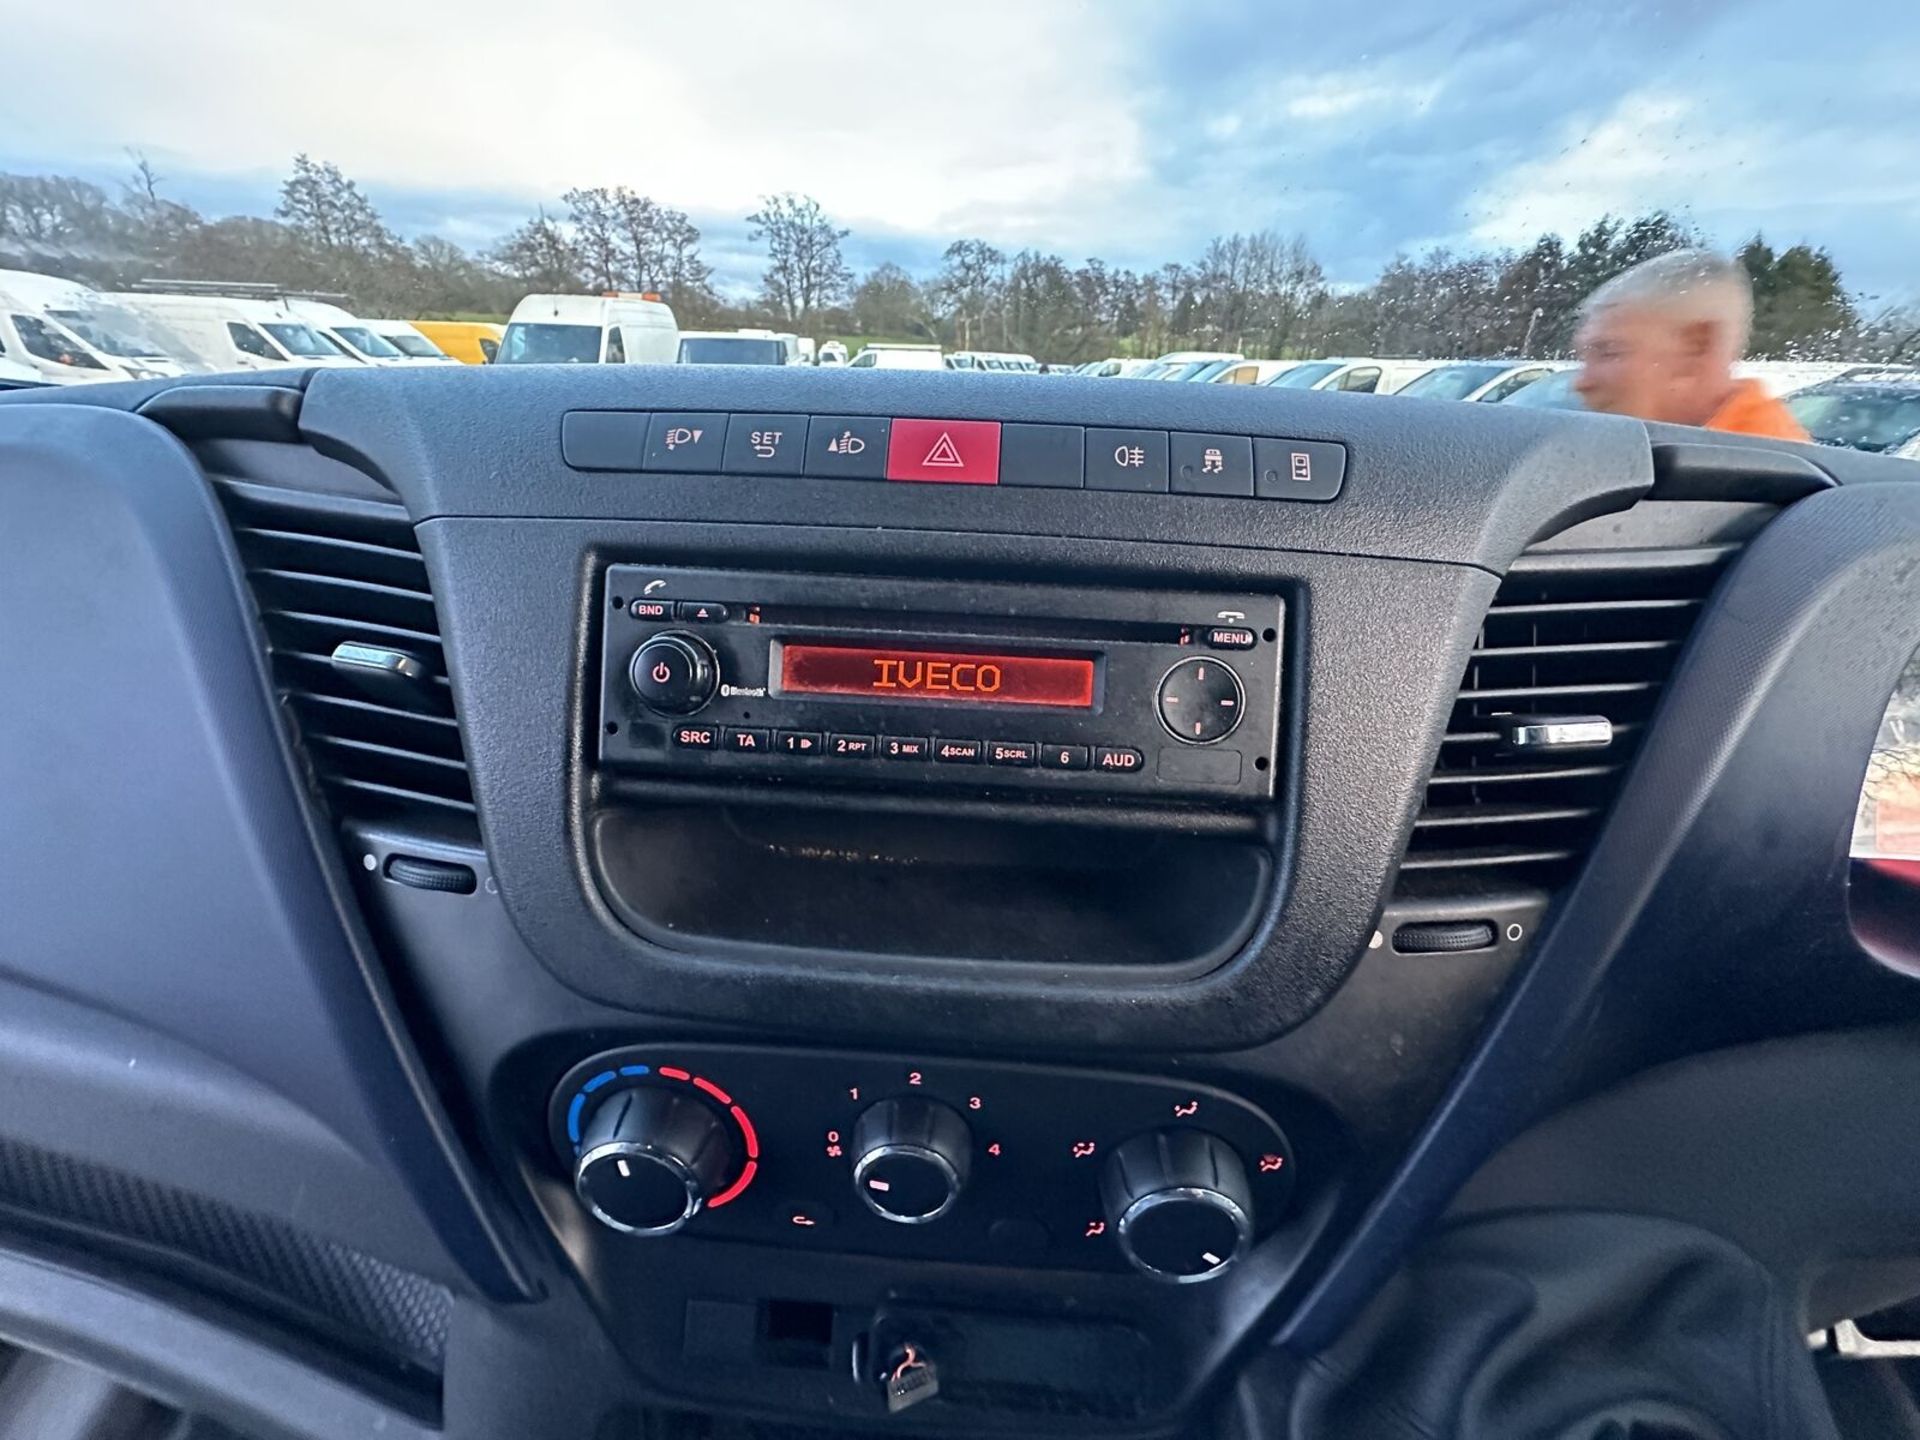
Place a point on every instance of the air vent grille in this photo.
(326, 569)
(1580, 633)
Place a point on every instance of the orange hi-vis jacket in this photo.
(1750, 410)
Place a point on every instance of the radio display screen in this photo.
(882, 673)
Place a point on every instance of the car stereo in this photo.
(908, 683)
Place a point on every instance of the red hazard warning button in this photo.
(958, 452)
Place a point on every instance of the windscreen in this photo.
(1549, 392)
(1451, 382)
(301, 340)
(732, 350)
(1865, 417)
(1304, 377)
(527, 344)
(367, 342)
(112, 331)
(1045, 184)
(416, 347)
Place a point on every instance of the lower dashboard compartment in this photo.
(929, 886)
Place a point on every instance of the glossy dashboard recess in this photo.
(720, 966)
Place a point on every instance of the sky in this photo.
(1124, 129)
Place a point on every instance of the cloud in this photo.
(888, 115)
(1127, 129)
(1338, 97)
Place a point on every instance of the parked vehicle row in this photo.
(1866, 408)
(56, 331)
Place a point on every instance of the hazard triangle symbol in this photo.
(944, 453)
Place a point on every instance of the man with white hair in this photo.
(1660, 342)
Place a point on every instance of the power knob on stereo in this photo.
(650, 1158)
(1179, 1204)
(674, 673)
(911, 1159)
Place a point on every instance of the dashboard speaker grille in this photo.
(327, 570)
(1568, 633)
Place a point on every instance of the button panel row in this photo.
(959, 452)
(942, 750)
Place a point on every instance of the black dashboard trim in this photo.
(126, 606)
(1764, 731)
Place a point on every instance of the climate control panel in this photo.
(959, 1160)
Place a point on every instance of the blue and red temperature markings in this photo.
(749, 1138)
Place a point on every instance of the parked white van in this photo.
(230, 333)
(352, 334)
(898, 357)
(733, 347)
(66, 333)
(614, 329)
(1003, 361)
(13, 372)
(410, 342)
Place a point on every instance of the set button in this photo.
(765, 445)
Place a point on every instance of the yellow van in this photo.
(473, 342)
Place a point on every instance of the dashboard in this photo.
(867, 900)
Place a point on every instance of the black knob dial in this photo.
(1179, 1203)
(674, 673)
(1200, 701)
(911, 1159)
(651, 1157)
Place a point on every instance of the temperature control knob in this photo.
(650, 1158)
(1179, 1203)
(674, 673)
(912, 1158)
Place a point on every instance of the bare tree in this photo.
(596, 217)
(329, 212)
(540, 256)
(969, 286)
(804, 269)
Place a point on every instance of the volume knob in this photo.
(674, 673)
